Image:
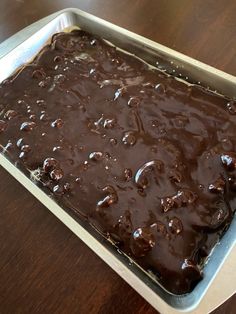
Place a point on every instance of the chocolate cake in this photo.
(147, 159)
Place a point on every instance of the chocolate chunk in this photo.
(109, 123)
(110, 198)
(27, 126)
(133, 102)
(20, 142)
(128, 174)
(142, 242)
(10, 114)
(113, 141)
(95, 156)
(154, 167)
(181, 199)
(124, 226)
(56, 174)
(220, 214)
(175, 176)
(58, 190)
(229, 161)
(25, 148)
(38, 74)
(50, 164)
(160, 227)
(3, 126)
(191, 270)
(218, 186)
(129, 139)
(58, 123)
(175, 225)
(67, 187)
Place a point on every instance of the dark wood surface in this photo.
(44, 268)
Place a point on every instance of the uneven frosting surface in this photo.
(148, 160)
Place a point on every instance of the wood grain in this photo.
(44, 268)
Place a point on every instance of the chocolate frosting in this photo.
(147, 159)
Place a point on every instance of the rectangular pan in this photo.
(23, 46)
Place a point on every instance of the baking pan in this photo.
(23, 46)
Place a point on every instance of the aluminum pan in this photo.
(22, 47)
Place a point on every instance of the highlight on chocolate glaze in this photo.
(146, 159)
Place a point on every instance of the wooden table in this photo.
(44, 268)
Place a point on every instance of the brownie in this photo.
(147, 159)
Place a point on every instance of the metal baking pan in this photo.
(23, 46)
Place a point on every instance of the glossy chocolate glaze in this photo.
(149, 161)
